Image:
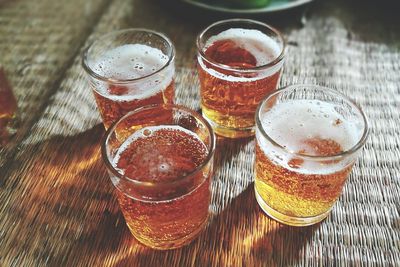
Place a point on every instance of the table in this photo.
(57, 206)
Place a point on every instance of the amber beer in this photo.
(163, 178)
(305, 151)
(239, 63)
(132, 69)
(162, 156)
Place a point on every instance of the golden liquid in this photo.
(168, 217)
(231, 104)
(168, 224)
(293, 193)
(112, 110)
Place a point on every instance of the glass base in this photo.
(170, 244)
(230, 132)
(289, 220)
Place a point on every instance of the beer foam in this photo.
(291, 123)
(132, 61)
(262, 47)
(147, 132)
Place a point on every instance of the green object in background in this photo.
(247, 3)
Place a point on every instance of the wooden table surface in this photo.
(56, 202)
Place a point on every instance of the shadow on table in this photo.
(233, 170)
(62, 207)
(227, 148)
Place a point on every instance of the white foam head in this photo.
(147, 132)
(292, 123)
(261, 46)
(132, 61)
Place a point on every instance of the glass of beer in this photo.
(129, 69)
(307, 140)
(160, 160)
(239, 63)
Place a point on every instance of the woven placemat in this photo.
(38, 43)
(57, 203)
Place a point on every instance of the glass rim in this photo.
(111, 129)
(94, 74)
(340, 155)
(271, 63)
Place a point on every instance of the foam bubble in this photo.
(291, 123)
(261, 46)
(132, 61)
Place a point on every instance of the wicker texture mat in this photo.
(38, 41)
(57, 203)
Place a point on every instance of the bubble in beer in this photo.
(147, 132)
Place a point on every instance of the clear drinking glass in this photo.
(239, 63)
(160, 160)
(308, 138)
(128, 69)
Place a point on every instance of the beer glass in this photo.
(128, 69)
(160, 160)
(307, 140)
(239, 63)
